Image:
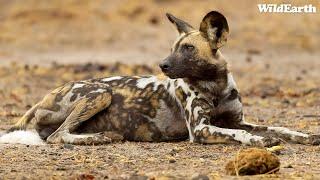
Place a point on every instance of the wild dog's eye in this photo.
(188, 47)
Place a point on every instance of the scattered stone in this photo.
(286, 101)
(276, 149)
(174, 151)
(253, 161)
(260, 119)
(288, 166)
(68, 146)
(61, 168)
(138, 177)
(26, 67)
(172, 160)
(249, 59)
(254, 51)
(85, 177)
(298, 78)
(267, 66)
(154, 20)
(198, 176)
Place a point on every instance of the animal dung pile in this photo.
(253, 161)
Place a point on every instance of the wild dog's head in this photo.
(195, 53)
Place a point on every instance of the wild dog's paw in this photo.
(267, 142)
(314, 139)
(99, 138)
(114, 136)
(95, 139)
(270, 141)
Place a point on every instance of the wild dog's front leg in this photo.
(211, 134)
(203, 132)
(281, 132)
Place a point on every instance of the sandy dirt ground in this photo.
(274, 59)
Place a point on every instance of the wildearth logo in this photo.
(286, 8)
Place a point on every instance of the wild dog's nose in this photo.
(164, 66)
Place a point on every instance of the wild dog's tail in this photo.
(21, 137)
(17, 134)
(25, 120)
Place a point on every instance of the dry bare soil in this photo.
(274, 59)
(272, 95)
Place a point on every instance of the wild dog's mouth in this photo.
(171, 76)
(170, 69)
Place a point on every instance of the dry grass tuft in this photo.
(253, 161)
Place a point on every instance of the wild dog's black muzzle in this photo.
(165, 65)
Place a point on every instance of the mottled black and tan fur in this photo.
(197, 99)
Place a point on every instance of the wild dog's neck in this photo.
(214, 85)
(211, 87)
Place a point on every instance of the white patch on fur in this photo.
(177, 40)
(231, 84)
(21, 137)
(182, 35)
(112, 78)
(78, 85)
(233, 105)
(127, 81)
(172, 89)
(185, 87)
(283, 130)
(239, 135)
(196, 111)
(99, 91)
(145, 81)
(70, 138)
(188, 108)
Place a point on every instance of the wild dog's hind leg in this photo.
(97, 97)
(25, 120)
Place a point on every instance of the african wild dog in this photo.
(197, 99)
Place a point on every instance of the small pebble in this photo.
(60, 168)
(68, 146)
(172, 160)
(248, 59)
(198, 176)
(138, 177)
(288, 166)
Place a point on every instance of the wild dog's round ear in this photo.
(214, 27)
(182, 26)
